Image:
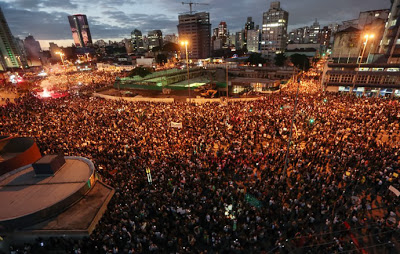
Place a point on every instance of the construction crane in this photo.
(192, 3)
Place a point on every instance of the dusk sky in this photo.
(47, 20)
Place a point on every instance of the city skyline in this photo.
(116, 19)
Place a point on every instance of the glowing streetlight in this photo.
(61, 55)
(185, 43)
(359, 60)
(19, 59)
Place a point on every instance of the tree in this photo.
(280, 59)
(255, 59)
(161, 59)
(156, 49)
(171, 47)
(300, 61)
(140, 71)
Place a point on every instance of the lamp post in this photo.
(367, 36)
(61, 55)
(185, 43)
(22, 66)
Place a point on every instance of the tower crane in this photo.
(192, 3)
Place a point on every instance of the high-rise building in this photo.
(155, 38)
(128, 45)
(222, 29)
(253, 40)
(170, 38)
(137, 40)
(274, 30)
(10, 54)
(32, 49)
(314, 32)
(80, 30)
(324, 37)
(248, 26)
(390, 44)
(196, 29)
(239, 40)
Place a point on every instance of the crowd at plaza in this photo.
(218, 183)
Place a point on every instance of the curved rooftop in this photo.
(26, 198)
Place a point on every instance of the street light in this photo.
(61, 55)
(185, 43)
(367, 36)
(19, 59)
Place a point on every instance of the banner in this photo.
(176, 125)
(394, 190)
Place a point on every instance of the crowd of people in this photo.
(221, 183)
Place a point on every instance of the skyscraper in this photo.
(32, 48)
(9, 51)
(390, 44)
(274, 30)
(253, 40)
(137, 40)
(248, 26)
(155, 39)
(80, 30)
(196, 29)
(314, 32)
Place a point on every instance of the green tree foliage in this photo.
(140, 71)
(300, 61)
(280, 59)
(255, 59)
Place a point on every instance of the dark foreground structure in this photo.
(55, 196)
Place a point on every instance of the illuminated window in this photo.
(362, 79)
(374, 79)
(389, 80)
(347, 78)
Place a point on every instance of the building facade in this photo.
(248, 26)
(10, 54)
(137, 41)
(274, 30)
(253, 40)
(155, 39)
(80, 30)
(32, 48)
(195, 28)
(390, 44)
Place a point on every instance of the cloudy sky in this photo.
(47, 20)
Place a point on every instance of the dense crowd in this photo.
(219, 183)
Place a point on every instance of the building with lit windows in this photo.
(10, 54)
(155, 39)
(248, 26)
(195, 28)
(390, 44)
(253, 40)
(137, 41)
(80, 30)
(314, 32)
(274, 30)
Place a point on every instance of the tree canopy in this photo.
(256, 58)
(280, 59)
(300, 61)
(140, 71)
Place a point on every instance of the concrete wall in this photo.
(134, 99)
